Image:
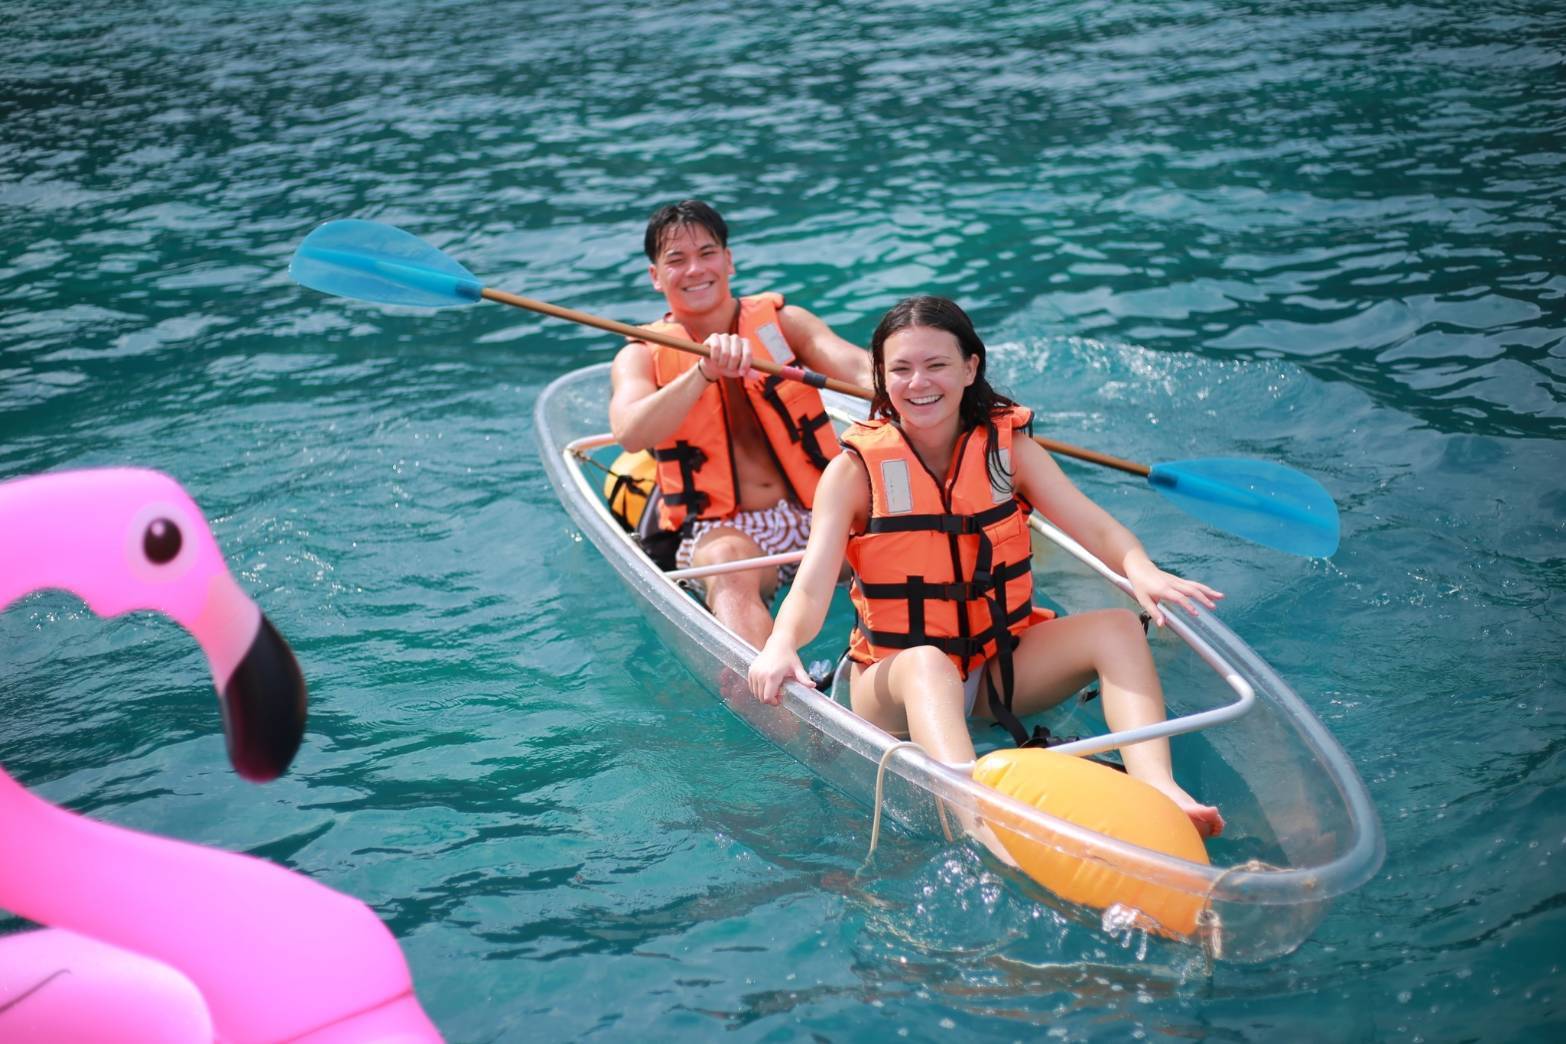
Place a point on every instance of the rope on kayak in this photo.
(880, 782)
(640, 485)
(1208, 922)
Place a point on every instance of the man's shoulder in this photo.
(663, 323)
(633, 359)
(798, 323)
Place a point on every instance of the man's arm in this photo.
(641, 414)
(822, 350)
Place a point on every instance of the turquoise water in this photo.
(1326, 234)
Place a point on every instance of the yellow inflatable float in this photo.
(1098, 798)
(629, 484)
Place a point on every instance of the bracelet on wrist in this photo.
(709, 380)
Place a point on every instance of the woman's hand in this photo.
(774, 665)
(1153, 586)
(730, 357)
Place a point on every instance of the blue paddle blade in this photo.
(369, 261)
(1255, 499)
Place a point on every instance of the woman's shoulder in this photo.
(845, 463)
(1011, 414)
(869, 424)
(867, 432)
(845, 483)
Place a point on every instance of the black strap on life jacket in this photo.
(690, 459)
(978, 587)
(801, 430)
(955, 525)
(660, 544)
(1005, 643)
(1000, 703)
(968, 646)
(1040, 737)
(1043, 738)
(988, 582)
(622, 483)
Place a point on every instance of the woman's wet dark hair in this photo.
(683, 214)
(980, 402)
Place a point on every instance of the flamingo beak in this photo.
(264, 707)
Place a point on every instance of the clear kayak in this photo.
(1301, 827)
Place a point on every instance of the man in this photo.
(738, 452)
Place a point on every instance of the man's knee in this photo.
(747, 583)
(720, 546)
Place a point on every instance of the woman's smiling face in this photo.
(925, 375)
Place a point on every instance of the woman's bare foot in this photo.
(1207, 820)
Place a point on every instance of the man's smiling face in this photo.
(692, 270)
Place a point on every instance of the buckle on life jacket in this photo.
(951, 524)
(1044, 739)
(693, 500)
(690, 460)
(682, 453)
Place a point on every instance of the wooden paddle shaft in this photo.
(798, 373)
(1092, 456)
(793, 372)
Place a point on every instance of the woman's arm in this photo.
(1048, 489)
(842, 496)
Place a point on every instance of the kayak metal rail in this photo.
(739, 565)
(1194, 722)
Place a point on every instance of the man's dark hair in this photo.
(683, 214)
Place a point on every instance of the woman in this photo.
(930, 507)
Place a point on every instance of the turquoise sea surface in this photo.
(1325, 233)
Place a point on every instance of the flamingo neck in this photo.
(271, 951)
(53, 857)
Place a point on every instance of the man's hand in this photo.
(730, 357)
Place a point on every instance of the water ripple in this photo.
(1325, 234)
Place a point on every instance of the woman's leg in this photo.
(1056, 658)
(918, 693)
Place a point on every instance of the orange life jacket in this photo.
(942, 564)
(696, 464)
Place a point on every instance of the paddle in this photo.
(1267, 503)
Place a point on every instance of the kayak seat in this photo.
(660, 544)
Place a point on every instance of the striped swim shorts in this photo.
(785, 526)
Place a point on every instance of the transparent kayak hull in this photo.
(1301, 827)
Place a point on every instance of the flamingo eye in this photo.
(161, 542)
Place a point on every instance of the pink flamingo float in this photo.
(160, 940)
